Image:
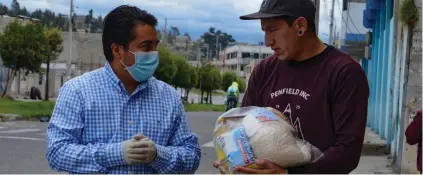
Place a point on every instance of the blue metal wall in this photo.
(387, 73)
(379, 68)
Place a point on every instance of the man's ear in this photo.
(301, 26)
(117, 51)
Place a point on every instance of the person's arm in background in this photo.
(414, 130)
(183, 154)
(349, 104)
(65, 151)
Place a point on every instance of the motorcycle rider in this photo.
(232, 96)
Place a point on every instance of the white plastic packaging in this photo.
(244, 134)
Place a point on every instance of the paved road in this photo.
(23, 145)
(215, 98)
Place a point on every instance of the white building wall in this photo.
(355, 17)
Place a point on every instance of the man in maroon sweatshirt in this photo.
(414, 136)
(323, 91)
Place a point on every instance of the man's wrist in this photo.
(114, 155)
(162, 154)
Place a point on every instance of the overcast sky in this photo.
(192, 16)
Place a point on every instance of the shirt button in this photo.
(130, 122)
(130, 172)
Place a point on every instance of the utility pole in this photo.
(316, 20)
(217, 45)
(69, 66)
(207, 55)
(199, 66)
(260, 51)
(331, 22)
(335, 39)
(165, 32)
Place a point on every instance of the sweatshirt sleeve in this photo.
(349, 99)
(413, 133)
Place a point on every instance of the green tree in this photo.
(193, 81)
(24, 12)
(167, 67)
(241, 85)
(37, 14)
(4, 10)
(217, 80)
(97, 24)
(182, 76)
(22, 48)
(60, 22)
(227, 79)
(15, 8)
(48, 18)
(89, 20)
(53, 49)
(187, 35)
(175, 31)
(210, 80)
(205, 80)
(210, 39)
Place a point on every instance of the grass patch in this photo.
(31, 110)
(26, 109)
(197, 91)
(204, 107)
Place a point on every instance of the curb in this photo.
(16, 117)
(11, 117)
(375, 149)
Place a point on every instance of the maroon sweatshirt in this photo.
(325, 97)
(414, 136)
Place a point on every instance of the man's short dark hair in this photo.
(119, 25)
(311, 27)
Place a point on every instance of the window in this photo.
(245, 55)
(256, 56)
(233, 55)
(242, 68)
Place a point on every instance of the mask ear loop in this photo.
(126, 67)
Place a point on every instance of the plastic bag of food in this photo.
(242, 135)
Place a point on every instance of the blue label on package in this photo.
(263, 115)
(237, 148)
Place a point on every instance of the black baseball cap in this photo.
(279, 8)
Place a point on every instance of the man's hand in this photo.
(139, 150)
(267, 167)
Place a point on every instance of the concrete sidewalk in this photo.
(375, 157)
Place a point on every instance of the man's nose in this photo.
(268, 41)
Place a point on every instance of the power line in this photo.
(346, 24)
(352, 21)
(348, 12)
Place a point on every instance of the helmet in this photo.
(235, 84)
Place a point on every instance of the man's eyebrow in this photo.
(150, 42)
(267, 28)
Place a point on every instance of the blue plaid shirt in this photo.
(94, 114)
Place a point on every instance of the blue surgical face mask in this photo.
(145, 65)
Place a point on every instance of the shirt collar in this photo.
(111, 76)
(116, 82)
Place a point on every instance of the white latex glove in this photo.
(139, 150)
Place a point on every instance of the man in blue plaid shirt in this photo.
(120, 119)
